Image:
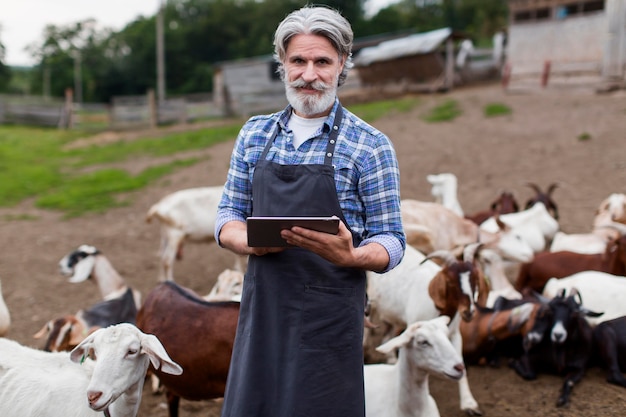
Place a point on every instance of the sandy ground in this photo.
(539, 142)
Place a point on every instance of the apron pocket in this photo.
(328, 318)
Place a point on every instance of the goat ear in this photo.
(590, 313)
(437, 291)
(81, 351)
(397, 342)
(159, 358)
(83, 269)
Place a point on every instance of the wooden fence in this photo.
(125, 112)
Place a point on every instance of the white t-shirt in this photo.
(304, 129)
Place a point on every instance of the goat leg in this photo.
(571, 379)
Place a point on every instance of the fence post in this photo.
(153, 110)
(506, 75)
(67, 116)
(545, 75)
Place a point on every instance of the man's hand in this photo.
(338, 249)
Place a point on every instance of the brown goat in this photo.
(488, 327)
(504, 204)
(197, 334)
(546, 265)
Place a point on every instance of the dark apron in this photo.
(298, 350)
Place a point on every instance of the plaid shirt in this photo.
(367, 175)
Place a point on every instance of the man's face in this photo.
(312, 68)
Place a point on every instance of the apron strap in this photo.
(332, 138)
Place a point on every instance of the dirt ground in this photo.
(542, 141)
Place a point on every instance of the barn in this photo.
(567, 43)
(428, 61)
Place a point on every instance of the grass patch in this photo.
(35, 164)
(447, 111)
(370, 112)
(497, 109)
(584, 136)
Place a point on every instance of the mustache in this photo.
(315, 85)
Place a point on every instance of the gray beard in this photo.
(308, 105)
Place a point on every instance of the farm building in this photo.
(567, 42)
(431, 61)
(249, 86)
(252, 85)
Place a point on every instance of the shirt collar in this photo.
(286, 114)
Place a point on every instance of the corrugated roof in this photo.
(420, 43)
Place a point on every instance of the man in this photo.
(298, 349)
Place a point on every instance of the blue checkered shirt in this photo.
(367, 175)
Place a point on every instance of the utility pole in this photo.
(160, 54)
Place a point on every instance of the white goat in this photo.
(608, 224)
(186, 216)
(104, 373)
(118, 306)
(88, 262)
(535, 225)
(600, 292)
(401, 390)
(444, 189)
(227, 287)
(494, 272)
(431, 226)
(403, 295)
(5, 317)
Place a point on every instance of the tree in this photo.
(5, 71)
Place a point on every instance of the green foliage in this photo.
(36, 163)
(496, 109)
(584, 136)
(447, 111)
(200, 34)
(375, 110)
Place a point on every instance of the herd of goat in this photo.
(501, 284)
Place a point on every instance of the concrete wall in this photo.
(575, 44)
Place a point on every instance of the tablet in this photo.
(265, 231)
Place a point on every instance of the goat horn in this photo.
(573, 292)
(444, 255)
(534, 187)
(470, 251)
(551, 188)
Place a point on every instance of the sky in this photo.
(22, 21)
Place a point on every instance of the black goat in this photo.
(545, 198)
(561, 343)
(609, 341)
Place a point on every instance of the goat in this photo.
(430, 227)
(444, 189)
(545, 198)
(419, 289)
(88, 262)
(210, 325)
(493, 270)
(402, 389)
(601, 292)
(567, 350)
(608, 224)
(535, 225)
(104, 373)
(609, 342)
(504, 204)
(227, 287)
(5, 317)
(491, 328)
(548, 265)
(186, 216)
(119, 303)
